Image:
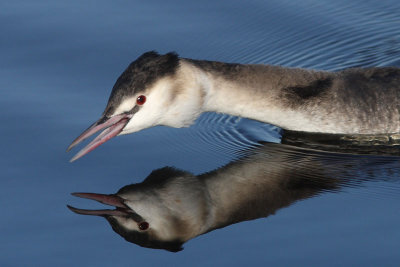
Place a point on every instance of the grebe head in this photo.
(133, 219)
(151, 91)
(162, 212)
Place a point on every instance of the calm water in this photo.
(58, 64)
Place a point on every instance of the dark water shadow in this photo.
(360, 144)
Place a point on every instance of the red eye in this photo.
(141, 100)
(143, 226)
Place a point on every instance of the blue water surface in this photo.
(58, 63)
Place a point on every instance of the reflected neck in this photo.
(255, 187)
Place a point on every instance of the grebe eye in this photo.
(141, 100)
(143, 226)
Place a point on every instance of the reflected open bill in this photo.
(105, 212)
(111, 200)
(121, 210)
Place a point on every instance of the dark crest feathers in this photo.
(157, 178)
(165, 174)
(140, 74)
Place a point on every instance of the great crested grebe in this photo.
(167, 90)
(172, 206)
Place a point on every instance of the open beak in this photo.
(113, 126)
(112, 200)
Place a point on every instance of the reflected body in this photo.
(176, 206)
(168, 90)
